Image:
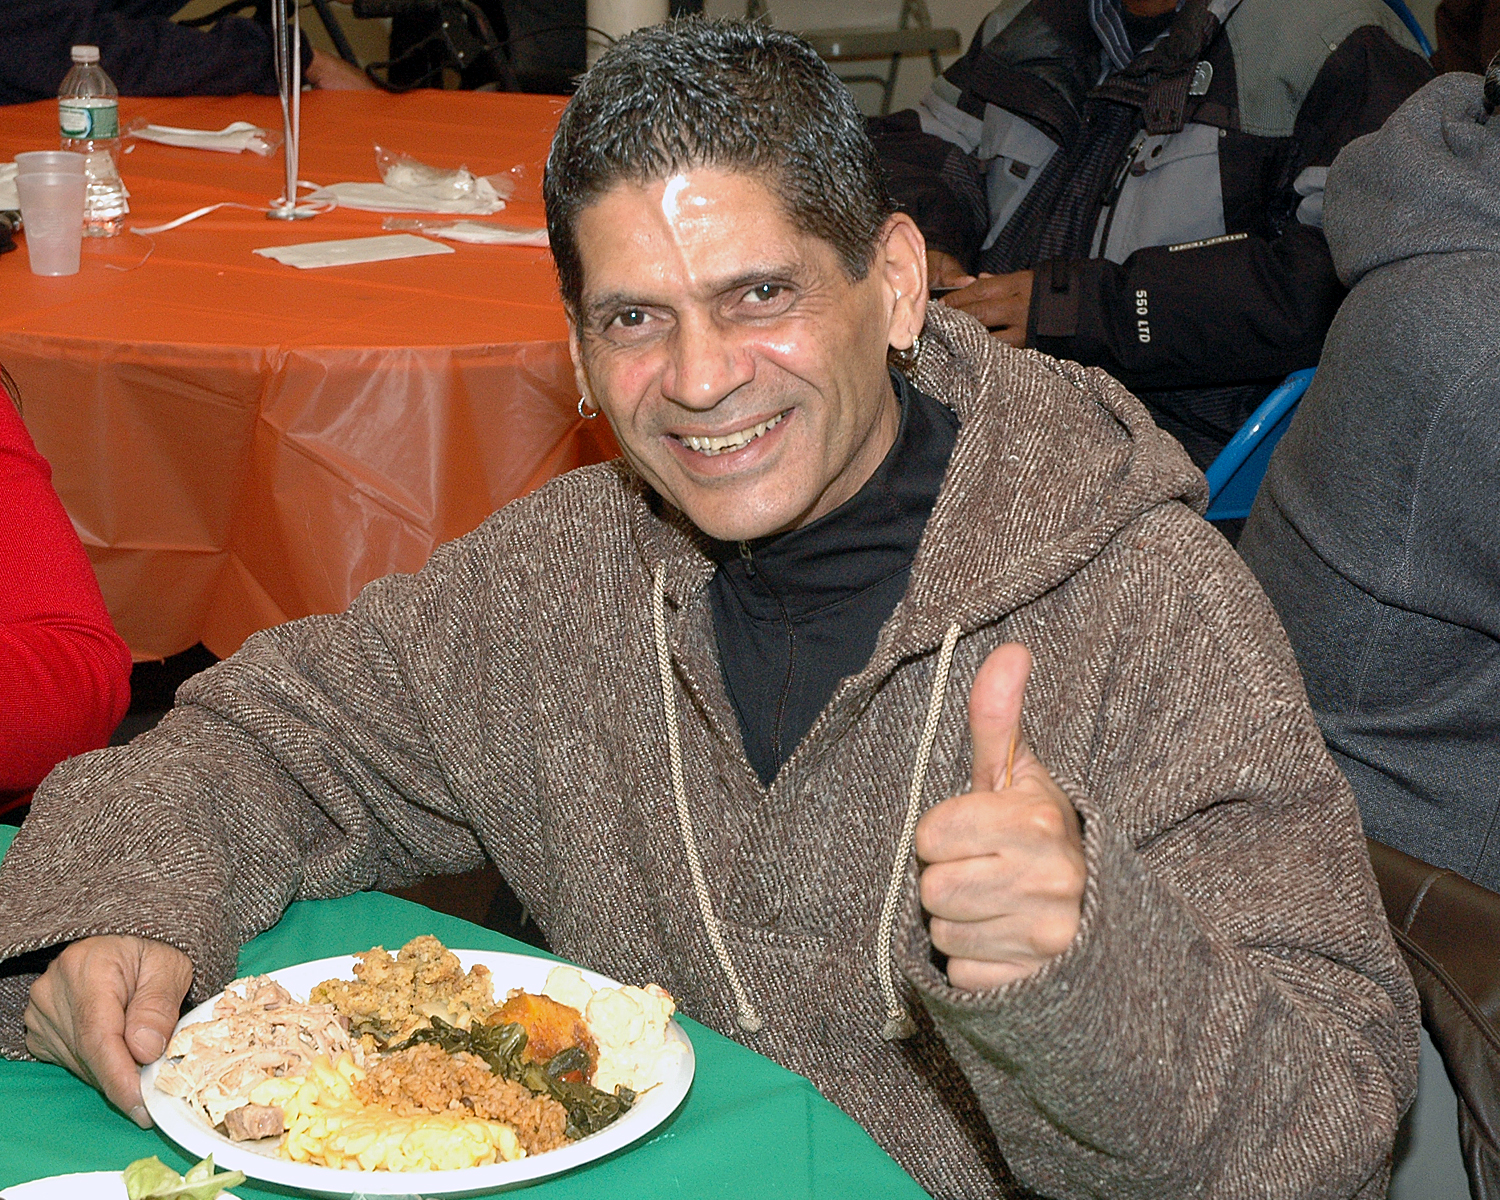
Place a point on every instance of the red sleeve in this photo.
(64, 671)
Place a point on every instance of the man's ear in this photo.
(902, 259)
(575, 352)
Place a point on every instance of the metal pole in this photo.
(286, 47)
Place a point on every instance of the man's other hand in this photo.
(105, 1007)
(1005, 872)
(1001, 302)
(945, 271)
(334, 74)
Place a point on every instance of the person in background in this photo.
(1137, 185)
(145, 52)
(1374, 532)
(887, 703)
(64, 672)
(1468, 35)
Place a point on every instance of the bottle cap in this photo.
(85, 54)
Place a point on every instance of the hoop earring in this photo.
(907, 359)
(582, 411)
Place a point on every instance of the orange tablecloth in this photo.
(240, 442)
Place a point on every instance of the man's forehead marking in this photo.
(671, 195)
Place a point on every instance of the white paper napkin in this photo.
(354, 250)
(381, 197)
(480, 233)
(232, 139)
(9, 197)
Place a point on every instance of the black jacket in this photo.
(1171, 208)
(140, 48)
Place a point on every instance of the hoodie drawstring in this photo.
(898, 1023)
(749, 1020)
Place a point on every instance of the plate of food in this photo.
(428, 1072)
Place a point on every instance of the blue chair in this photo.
(1234, 477)
(1399, 8)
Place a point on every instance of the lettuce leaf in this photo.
(152, 1179)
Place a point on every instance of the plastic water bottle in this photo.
(88, 112)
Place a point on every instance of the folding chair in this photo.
(913, 34)
(1234, 477)
(1410, 21)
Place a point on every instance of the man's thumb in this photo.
(164, 978)
(995, 713)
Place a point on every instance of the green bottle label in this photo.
(106, 122)
(89, 119)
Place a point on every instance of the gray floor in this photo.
(1433, 1165)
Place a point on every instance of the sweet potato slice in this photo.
(550, 1027)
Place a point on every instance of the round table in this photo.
(240, 442)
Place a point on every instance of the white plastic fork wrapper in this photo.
(9, 197)
(411, 186)
(349, 251)
(480, 233)
(234, 138)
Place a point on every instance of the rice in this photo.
(427, 1079)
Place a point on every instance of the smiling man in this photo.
(906, 724)
(749, 385)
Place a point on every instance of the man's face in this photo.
(742, 370)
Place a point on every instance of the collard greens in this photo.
(589, 1110)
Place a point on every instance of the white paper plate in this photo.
(260, 1161)
(83, 1185)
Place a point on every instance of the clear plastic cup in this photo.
(52, 215)
(29, 161)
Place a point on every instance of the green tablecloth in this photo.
(748, 1128)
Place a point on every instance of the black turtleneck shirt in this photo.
(796, 613)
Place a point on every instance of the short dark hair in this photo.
(727, 94)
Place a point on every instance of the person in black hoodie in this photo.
(1137, 185)
(145, 52)
(1374, 533)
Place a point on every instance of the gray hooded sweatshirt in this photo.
(1231, 1020)
(1376, 533)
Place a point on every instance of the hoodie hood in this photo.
(1053, 460)
(1426, 182)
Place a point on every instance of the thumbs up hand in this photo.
(1004, 874)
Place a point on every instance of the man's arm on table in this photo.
(1231, 1015)
(329, 755)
